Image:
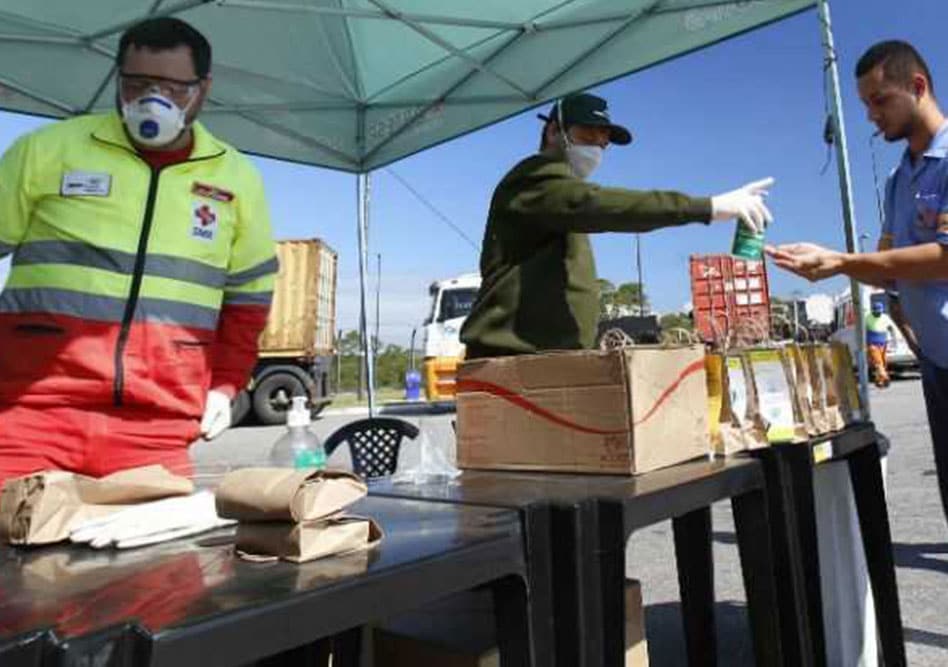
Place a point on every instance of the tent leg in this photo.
(846, 192)
(362, 195)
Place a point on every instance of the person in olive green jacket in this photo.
(538, 289)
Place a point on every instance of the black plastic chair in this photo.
(373, 444)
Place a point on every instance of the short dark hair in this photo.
(163, 33)
(899, 60)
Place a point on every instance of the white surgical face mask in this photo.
(583, 160)
(154, 120)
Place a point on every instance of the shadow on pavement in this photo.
(666, 641)
(926, 638)
(920, 556)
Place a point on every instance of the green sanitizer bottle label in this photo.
(747, 244)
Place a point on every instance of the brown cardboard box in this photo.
(617, 412)
(459, 632)
(636, 647)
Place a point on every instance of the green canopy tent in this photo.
(357, 84)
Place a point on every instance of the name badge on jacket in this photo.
(86, 184)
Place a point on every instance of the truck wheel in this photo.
(239, 407)
(272, 398)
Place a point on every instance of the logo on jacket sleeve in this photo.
(203, 221)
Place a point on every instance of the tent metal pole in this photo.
(39, 97)
(362, 195)
(846, 191)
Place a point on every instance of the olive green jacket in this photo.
(539, 289)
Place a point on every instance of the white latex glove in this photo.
(216, 417)
(151, 522)
(746, 204)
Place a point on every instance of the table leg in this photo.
(798, 470)
(797, 640)
(696, 581)
(757, 566)
(590, 592)
(866, 474)
(513, 627)
(539, 540)
(611, 578)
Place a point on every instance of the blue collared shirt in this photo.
(916, 212)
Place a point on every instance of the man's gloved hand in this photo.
(746, 204)
(216, 418)
(149, 523)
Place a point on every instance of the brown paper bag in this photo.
(833, 409)
(817, 391)
(301, 542)
(741, 426)
(133, 485)
(43, 507)
(278, 494)
(803, 388)
(800, 430)
(847, 387)
(773, 394)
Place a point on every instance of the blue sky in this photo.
(705, 123)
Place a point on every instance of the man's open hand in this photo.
(808, 260)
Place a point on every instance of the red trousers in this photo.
(94, 443)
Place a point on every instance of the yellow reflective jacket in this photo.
(120, 271)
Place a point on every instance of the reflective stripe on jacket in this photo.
(120, 271)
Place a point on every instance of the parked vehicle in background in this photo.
(298, 345)
(899, 356)
(820, 312)
(451, 302)
(642, 329)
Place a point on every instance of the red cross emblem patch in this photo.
(203, 221)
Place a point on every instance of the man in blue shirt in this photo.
(896, 86)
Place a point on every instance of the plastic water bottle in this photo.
(299, 447)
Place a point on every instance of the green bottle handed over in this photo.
(748, 244)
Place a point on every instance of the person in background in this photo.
(142, 272)
(879, 326)
(539, 289)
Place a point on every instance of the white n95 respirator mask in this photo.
(154, 120)
(583, 160)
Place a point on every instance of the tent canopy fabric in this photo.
(357, 84)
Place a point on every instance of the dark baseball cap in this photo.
(587, 109)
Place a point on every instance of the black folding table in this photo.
(590, 519)
(182, 604)
(789, 470)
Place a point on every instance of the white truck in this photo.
(451, 302)
(900, 357)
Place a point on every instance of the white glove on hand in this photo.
(153, 522)
(216, 418)
(746, 204)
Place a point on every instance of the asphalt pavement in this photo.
(920, 532)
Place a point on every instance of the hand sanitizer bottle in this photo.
(299, 447)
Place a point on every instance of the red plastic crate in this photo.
(731, 297)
